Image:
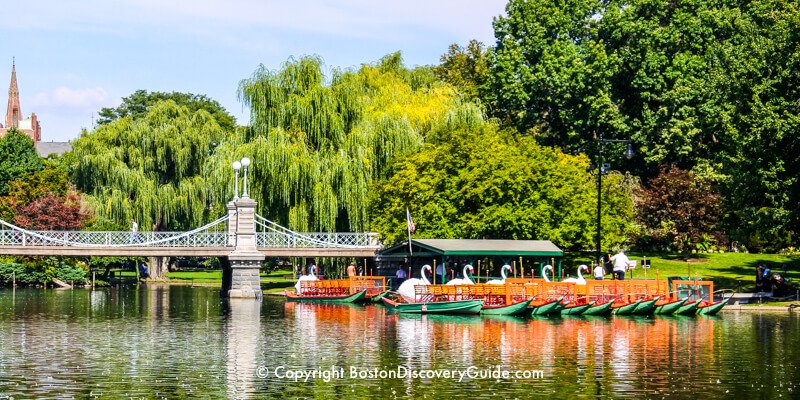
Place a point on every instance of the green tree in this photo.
(318, 143)
(551, 76)
(18, 157)
(480, 182)
(151, 169)
(466, 68)
(137, 104)
(711, 87)
(761, 87)
(50, 181)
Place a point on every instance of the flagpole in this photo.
(408, 227)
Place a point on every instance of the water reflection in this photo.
(243, 329)
(179, 342)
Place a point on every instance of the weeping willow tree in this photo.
(151, 169)
(318, 144)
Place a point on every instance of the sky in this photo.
(75, 57)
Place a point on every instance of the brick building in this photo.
(14, 118)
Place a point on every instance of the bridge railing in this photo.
(112, 238)
(174, 239)
(316, 239)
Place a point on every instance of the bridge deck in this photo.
(133, 251)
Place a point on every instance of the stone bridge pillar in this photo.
(240, 276)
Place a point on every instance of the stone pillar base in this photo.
(245, 280)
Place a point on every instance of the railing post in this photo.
(232, 222)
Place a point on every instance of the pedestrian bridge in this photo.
(215, 239)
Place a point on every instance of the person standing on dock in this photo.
(351, 270)
(620, 261)
(599, 272)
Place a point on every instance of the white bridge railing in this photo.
(204, 236)
(273, 235)
(214, 234)
(112, 239)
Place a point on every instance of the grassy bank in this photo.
(728, 270)
(277, 280)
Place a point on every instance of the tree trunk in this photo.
(157, 268)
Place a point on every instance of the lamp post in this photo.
(245, 164)
(236, 167)
(602, 168)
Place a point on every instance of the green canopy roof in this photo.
(475, 247)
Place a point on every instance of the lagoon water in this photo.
(183, 342)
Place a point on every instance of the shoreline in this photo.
(757, 308)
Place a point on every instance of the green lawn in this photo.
(274, 280)
(727, 270)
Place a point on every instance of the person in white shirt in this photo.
(620, 261)
(599, 272)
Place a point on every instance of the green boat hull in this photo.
(600, 309)
(438, 307)
(669, 308)
(688, 309)
(576, 310)
(645, 307)
(377, 299)
(353, 298)
(627, 309)
(513, 309)
(712, 309)
(552, 308)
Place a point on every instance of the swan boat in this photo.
(708, 308)
(668, 307)
(602, 309)
(546, 307)
(434, 307)
(511, 309)
(351, 290)
(342, 298)
(576, 309)
(626, 308)
(688, 308)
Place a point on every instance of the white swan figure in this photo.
(579, 280)
(503, 274)
(310, 277)
(544, 274)
(465, 280)
(406, 289)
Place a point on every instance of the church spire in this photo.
(14, 112)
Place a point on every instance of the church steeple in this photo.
(14, 112)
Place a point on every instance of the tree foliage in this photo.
(151, 168)
(678, 211)
(45, 200)
(52, 212)
(318, 143)
(18, 157)
(551, 76)
(137, 104)
(466, 68)
(480, 182)
(710, 87)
